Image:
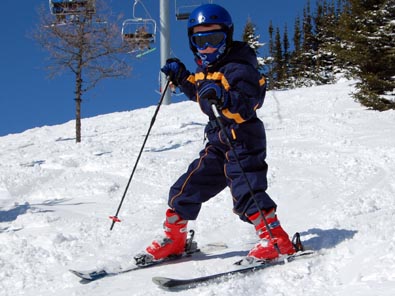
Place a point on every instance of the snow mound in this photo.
(331, 171)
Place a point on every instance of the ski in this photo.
(96, 274)
(173, 284)
(140, 55)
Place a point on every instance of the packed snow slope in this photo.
(331, 171)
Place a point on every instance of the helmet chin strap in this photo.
(210, 58)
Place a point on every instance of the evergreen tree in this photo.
(325, 22)
(278, 61)
(308, 47)
(269, 61)
(286, 55)
(295, 66)
(249, 36)
(367, 35)
(297, 35)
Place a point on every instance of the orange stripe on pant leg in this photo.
(189, 176)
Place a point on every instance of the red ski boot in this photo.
(266, 249)
(172, 244)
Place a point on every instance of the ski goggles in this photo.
(202, 40)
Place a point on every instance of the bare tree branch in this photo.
(87, 42)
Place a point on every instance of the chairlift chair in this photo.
(72, 7)
(139, 33)
(185, 7)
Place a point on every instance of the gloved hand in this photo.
(175, 70)
(214, 93)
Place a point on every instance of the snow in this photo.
(331, 171)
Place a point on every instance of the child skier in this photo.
(226, 76)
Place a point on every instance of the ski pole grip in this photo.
(215, 111)
(221, 126)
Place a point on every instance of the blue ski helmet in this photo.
(208, 14)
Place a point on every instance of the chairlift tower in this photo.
(164, 21)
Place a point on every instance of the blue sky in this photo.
(30, 99)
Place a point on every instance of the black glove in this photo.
(175, 70)
(214, 93)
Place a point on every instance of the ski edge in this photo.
(174, 284)
(95, 274)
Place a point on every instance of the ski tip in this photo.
(81, 275)
(163, 282)
(89, 276)
(77, 273)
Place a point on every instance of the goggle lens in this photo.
(202, 40)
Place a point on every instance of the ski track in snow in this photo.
(331, 171)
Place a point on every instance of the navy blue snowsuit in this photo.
(217, 168)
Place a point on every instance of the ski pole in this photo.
(222, 128)
(115, 217)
